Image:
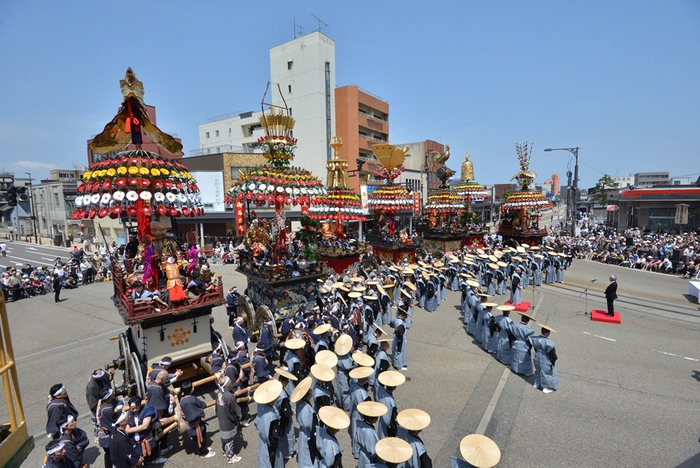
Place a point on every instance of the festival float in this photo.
(521, 211)
(448, 221)
(471, 191)
(279, 281)
(145, 188)
(342, 206)
(439, 222)
(389, 238)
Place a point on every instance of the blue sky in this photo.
(620, 80)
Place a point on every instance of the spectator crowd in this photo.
(672, 253)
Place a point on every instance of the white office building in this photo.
(304, 69)
(624, 181)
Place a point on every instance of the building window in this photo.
(216, 134)
(289, 88)
(253, 128)
(229, 132)
(55, 199)
(206, 135)
(290, 64)
(235, 169)
(290, 111)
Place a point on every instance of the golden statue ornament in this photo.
(467, 169)
(132, 117)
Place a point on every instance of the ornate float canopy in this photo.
(390, 197)
(277, 182)
(136, 183)
(343, 203)
(445, 201)
(133, 181)
(525, 198)
(473, 190)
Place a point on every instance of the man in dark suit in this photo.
(611, 295)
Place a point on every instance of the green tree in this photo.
(599, 193)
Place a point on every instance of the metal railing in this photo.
(230, 115)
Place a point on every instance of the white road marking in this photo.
(488, 414)
(47, 258)
(31, 248)
(28, 260)
(56, 348)
(677, 355)
(598, 336)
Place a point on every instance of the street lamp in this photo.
(573, 207)
(33, 207)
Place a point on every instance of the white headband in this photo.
(68, 420)
(99, 375)
(121, 418)
(59, 391)
(109, 394)
(240, 345)
(55, 449)
(222, 386)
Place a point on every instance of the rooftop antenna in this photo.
(301, 31)
(319, 22)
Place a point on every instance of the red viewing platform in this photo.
(600, 316)
(524, 306)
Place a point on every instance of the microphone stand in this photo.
(585, 291)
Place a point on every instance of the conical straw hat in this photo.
(372, 409)
(334, 417)
(327, 358)
(301, 389)
(480, 451)
(391, 378)
(286, 373)
(393, 450)
(363, 359)
(294, 343)
(361, 372)
(322, 373)
(413, 419)
(343, 345)
(267, 392)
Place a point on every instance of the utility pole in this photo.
(32, 205)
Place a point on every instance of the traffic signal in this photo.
(12, 196)
(22, 194)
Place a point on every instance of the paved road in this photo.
(629, 394)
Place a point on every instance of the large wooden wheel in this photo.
(247, 311)
(222, 344)
(134, 373)
(263, 314)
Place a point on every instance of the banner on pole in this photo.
(416, 203)
(240, 218)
